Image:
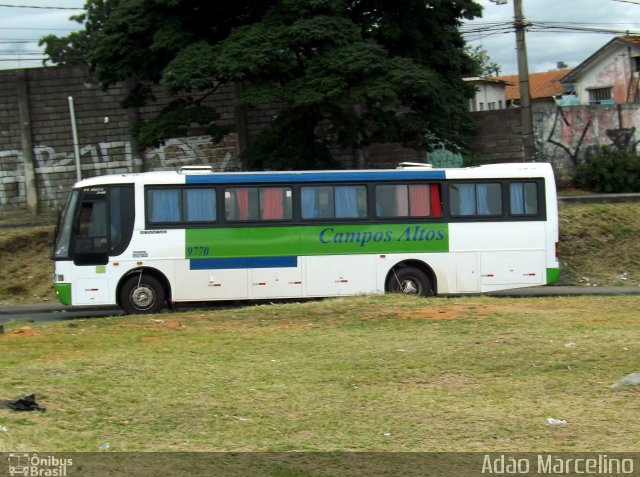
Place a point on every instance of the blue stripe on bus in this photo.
(297, 177)
(238, 263)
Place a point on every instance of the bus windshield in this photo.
(63, 236)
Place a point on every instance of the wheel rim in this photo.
(410, 286)
(143, 297)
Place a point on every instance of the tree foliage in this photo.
(483, 66)
(346, 72)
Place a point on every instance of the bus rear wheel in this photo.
(409, 281)
(141, 295)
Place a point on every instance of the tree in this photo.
(347, 72)
(74, 48)
(483, 66)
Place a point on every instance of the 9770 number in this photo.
(197, 251)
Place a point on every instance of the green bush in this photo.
(610, 170)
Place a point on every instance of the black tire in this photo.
(409, 281)
(142, 295)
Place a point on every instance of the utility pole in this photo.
(526, 114)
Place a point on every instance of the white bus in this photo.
(145, 240)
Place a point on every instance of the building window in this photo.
(500, 104)
(598, 95)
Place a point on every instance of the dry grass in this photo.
(383, 373)
(25, 265)
(599, 244)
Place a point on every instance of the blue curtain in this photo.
(308, 198)
(482, 199)
(346, 201)
(516, 192)
(467, 199)
(165, 205)
(201, 205)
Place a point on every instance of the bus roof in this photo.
(201, 176)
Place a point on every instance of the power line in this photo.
(40, 7)
(545, 27)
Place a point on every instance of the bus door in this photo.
(101, 228)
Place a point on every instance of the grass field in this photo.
(379, 373)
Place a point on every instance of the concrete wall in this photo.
(37, 160)
(36, 134)
(563, 136)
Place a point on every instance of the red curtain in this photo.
(436, 206)
(272, 201)
(419, 201)
(242, 199)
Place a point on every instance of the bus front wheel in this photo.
(142, 294)
(410, 281)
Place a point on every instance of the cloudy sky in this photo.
(556, 32)
(20, 29)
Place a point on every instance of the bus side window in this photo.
(327, 202)
(164, 206)
(275, 203)
(351, 201)
(200, 205)
(523, 198)
(122, 215)
(402, 200)
(317, 202)
(241, 203)
(475, 199)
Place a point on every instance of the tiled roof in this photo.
(542, 85)
(630, 40)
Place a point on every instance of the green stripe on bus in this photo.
(63, 290)
(316, 240)
(553, 275)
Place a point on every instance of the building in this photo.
(490, 94)
(610, 75)
(544, 87)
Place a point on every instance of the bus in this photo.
(149, 240)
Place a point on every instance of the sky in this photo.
(546, 47)
(20, 29)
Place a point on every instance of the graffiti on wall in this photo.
(92, 156)
(12, 188)
(193, 150)
(581, 132)
(56, 170)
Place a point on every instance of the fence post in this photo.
(22, 94)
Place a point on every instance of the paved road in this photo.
(43, 312)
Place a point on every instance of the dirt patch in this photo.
(450, 313)
(23, 332)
